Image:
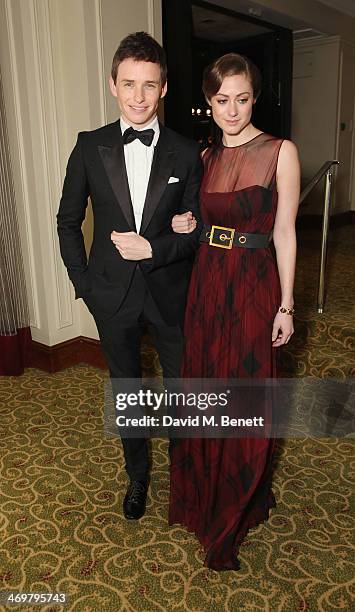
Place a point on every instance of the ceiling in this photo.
(261, 11)
(212, 25)
(344, 6)
(249, 7)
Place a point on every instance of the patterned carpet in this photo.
(61, 524)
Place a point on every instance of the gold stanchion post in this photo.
(325, 231)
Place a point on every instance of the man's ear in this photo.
(112, 85)
(164, 90)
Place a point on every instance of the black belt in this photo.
(228, 237)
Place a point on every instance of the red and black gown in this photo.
(220, 488)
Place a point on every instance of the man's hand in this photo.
(184, 224)
(131, 246)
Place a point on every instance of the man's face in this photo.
(138, 90)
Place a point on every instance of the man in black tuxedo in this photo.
(138, 175)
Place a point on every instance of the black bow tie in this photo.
(145, 136)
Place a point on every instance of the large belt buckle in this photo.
(222, 237)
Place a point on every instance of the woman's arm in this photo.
(284, 236)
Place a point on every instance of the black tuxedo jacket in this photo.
(96, 169)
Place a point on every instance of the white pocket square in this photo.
(173, 179)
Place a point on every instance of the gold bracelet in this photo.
(289, 311)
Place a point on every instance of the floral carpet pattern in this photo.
(62, 485)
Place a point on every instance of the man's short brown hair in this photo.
(140, 47)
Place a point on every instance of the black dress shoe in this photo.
(135, 500)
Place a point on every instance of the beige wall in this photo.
(315, 108)
(55, 57)
(345, 189)
(322, 116)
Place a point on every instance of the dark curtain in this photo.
(15, 335)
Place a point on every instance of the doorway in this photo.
(195, 33)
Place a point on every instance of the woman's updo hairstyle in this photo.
(230, 65)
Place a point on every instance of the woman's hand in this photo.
(184, 224)
(282, 329)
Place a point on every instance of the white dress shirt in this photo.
(139, 159)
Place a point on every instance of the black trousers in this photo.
(121, 338)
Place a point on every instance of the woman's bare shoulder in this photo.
(288, 148)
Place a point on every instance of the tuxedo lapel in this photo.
(162, 166)
(114, 163)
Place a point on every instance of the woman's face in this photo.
(232, 105)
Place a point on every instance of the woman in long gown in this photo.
(239, 308)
